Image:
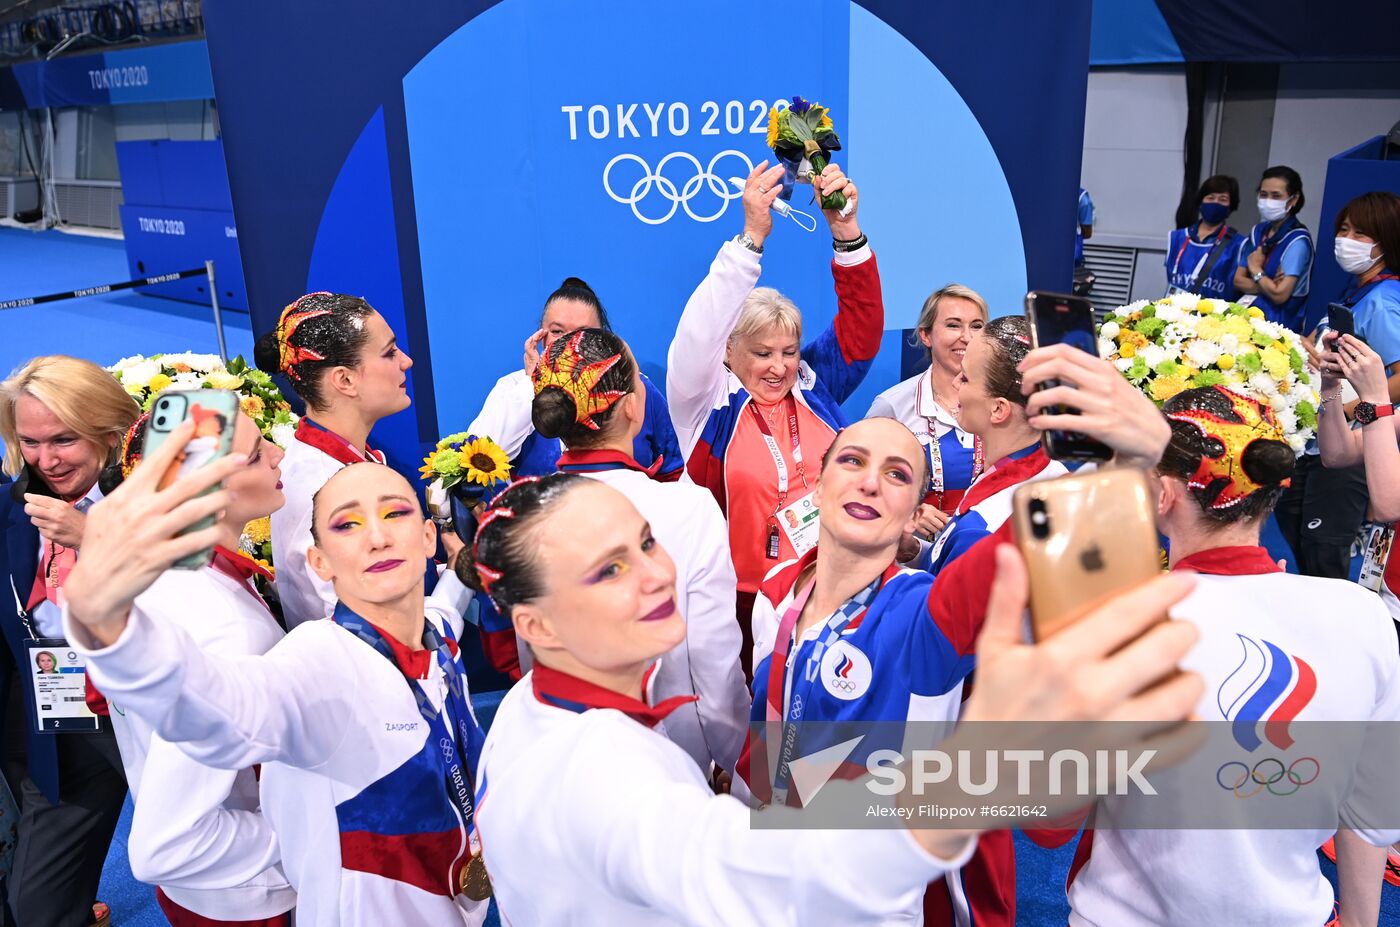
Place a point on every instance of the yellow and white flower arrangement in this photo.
(146, 377)
(1185, 341)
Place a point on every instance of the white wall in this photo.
(1134, 123)
(1322, 109)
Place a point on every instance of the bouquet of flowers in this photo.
(256, 542)
(803, 131)
(146, 377)
(460, 471)
(1186, 341)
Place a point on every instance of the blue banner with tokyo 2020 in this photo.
(473, 159)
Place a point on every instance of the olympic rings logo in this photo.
(680, 197)
(845, 685)
(1268, 773)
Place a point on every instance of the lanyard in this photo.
(1355, 294)
(772, 444)
(935, 450)
(333, 445)
(1186, 242)
(788, 698)
(457, 770)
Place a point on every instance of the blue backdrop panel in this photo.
(464, 166)
(178, 214)
(177, 71)
(1349, 174)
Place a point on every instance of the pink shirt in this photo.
(751, 486)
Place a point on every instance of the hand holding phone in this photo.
(1341, 320)
(1056, 318)
(214, 414)
(130, 537)
(1085, 538)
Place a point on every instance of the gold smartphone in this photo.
(1085, 538)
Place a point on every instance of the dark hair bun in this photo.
(1268, 463)
(553, 412)
(109, 479)
(267, 355)
(575, 283)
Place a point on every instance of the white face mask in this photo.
(1272, 210)
(1353, 256)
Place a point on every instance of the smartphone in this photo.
(1056, 318)
(29, 482)
(1085, 538)
(1341, 319)
(215, 413)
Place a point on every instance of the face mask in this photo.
(1353, 256)
(1214, 213)
(1272, 210)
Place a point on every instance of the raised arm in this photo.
(242, 710)
(695, 372)
(842, 354)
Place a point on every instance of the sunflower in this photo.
(484, 462)
(772, 127)
(429, 466)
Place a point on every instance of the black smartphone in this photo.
(1341, 320)
(28, 481)
(1058, 318)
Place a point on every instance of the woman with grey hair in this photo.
(754, 409)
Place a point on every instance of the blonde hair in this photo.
(929, 314)
(82, 395)
(765, 307)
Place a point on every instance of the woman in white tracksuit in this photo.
(345, 363)
(362, 723)
(598, 426)
(588, 816)
(197, 832)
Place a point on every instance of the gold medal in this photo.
(474, 882)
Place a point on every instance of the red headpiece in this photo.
(1257, 423)
(132, 456)
(571, 373)
(288, 354)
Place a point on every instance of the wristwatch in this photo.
(1256, 277)
(1364, 413)
(747, 241)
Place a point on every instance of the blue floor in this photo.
(106, 328)
(103, 329)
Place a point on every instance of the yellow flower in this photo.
(1255, 312)
(159, 382)
(429, 465)
(259, 532)
(1135, 338)
(1239, 327)
(252, 405)
(485, 463)
(1164, 388)
(1127, 349)
(1275, 362)
(1206, 306)
(1225, 361)
(772, 127)
(1209, 329)
(824, 122)
(222, 379)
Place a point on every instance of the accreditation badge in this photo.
(800, 522)
(1376, 541)
(58, 682)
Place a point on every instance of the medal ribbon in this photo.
(457, 768)
(787, 698)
